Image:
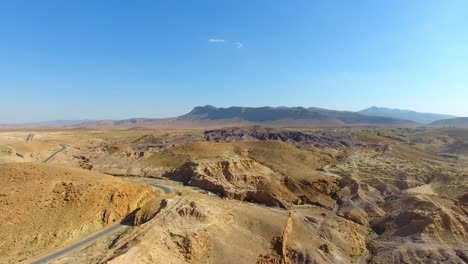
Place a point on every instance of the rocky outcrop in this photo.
(191, 210)
(149, 210)
(235, 178)
(419, 217)
(132, 155)
(311, 139)
(314, 140)
(247, 180)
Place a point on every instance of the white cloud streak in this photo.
(238, 45)
(216, 40)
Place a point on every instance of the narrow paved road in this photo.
(83, 243)
(30, 137)
(64, 147)
(127, 222)
(165, 189)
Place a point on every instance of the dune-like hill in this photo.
(45, 206)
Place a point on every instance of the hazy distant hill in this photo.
(135, 123)
(53, 123)
(287, 116)
(125, 122)
(424, 118)
(460, 122)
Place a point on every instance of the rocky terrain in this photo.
(411, 200)
(252, 171)
(197, 228)
(280, 195)
(316, 140)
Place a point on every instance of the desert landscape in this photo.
(233, 132)
(237, 194)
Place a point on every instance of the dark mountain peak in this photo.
(202, 109)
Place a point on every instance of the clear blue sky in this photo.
(80, 59)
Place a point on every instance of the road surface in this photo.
(127, 222)
(83, 243)
(64, 147)
(165, 189)
(30, 137)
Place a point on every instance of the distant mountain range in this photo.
(423, 118)
(286, 115)
(210, 116)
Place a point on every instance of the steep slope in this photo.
(424, 118)
(46, 206)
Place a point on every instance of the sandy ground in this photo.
(46, 206)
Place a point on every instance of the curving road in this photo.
(165, 189)
(83, 243)
(124, 224)
(64, 147)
